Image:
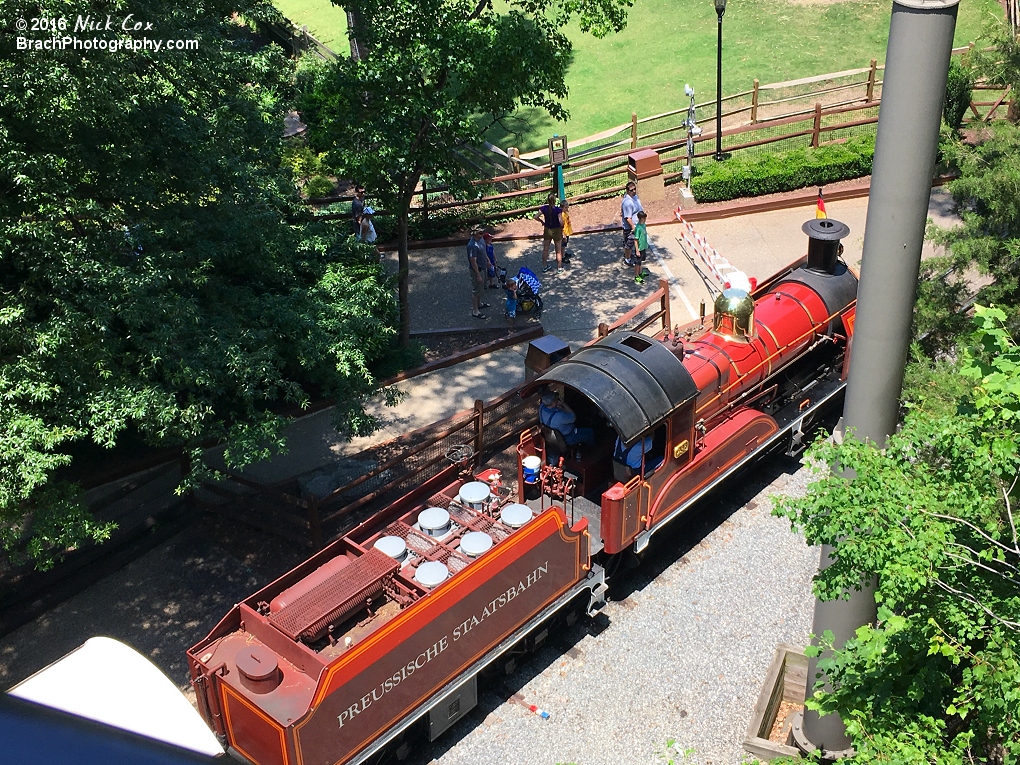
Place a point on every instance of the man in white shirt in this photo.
(629, 209)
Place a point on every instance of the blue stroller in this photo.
(528, 286)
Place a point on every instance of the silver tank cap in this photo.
(515, 515)
(474, 493)
(393, 546)
(474, 543)
(434, 521)
(431, 573)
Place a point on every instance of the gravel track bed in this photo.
(680, 652)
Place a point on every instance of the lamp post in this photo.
(720, 9)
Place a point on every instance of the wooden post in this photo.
(997, 104)
(872, 77)
(424, 201)
(754, 102)
(514, 155)
(479, 429)
(633, 130)
(818, 125)
(315, 523)
(664, 300)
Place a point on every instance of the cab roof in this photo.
(635, 380)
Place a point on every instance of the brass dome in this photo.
(734, 315)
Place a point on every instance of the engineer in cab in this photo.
(556, 415)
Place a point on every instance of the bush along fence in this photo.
(315, 508)
(793, 120)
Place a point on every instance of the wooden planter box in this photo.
(785, 682)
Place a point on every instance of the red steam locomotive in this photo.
(392, 624)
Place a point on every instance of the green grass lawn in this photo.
(671, 42)
(326, 22)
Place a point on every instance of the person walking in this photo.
(629, 208)
(550, 215)
(358, 209)
(476, 271)
(367, 233)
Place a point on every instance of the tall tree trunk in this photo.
(402, 273)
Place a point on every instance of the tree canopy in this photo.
(933, 518)
(987, 242)
(427, 71)
(158, 272)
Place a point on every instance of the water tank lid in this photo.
(393, 546)
(256, 662)
(433, 519)
(431, 572)
(826, 229)
(474, 543)
(515, 515)
(474, 492)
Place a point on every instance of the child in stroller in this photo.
(523, 291)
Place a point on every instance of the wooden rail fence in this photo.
(813, 111)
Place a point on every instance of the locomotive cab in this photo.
(637, 396)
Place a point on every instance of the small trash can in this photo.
(542, 354)
(645, 169)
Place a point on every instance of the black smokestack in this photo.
(823, 243)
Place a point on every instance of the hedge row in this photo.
(752, 176)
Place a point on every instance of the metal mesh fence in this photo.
(426, 456)
(834, 133)
(406, 473)
(509, 417)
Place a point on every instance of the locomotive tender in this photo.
(392, 624)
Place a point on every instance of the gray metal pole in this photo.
(917, 62)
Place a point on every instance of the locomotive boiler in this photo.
(387, 629)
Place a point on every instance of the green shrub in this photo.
(302, 161)
(319, 186)
(959, 85)
(439, 224)
(747, 176)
